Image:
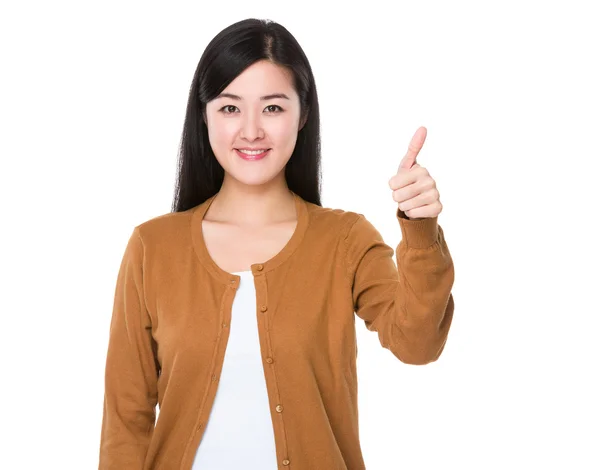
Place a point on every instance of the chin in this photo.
(253, 180)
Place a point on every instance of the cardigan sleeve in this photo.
(409, 304)
(130, 391)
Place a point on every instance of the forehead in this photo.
(262, 78)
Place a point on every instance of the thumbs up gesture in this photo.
(412, 187)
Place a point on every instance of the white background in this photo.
(93, 97)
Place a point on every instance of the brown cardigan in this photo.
(170, 325)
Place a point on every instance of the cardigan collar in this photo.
(198, 241)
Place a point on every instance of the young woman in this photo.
(235, 313)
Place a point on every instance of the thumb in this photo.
(415, 146)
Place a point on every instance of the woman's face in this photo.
(244, 115)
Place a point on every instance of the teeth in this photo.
(253, 152)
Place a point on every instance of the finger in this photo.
(404, 178)
(427, 211)
(414, 147)
(408, 201)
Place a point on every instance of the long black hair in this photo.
(199, 174)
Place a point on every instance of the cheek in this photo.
(283, 132)
(221, 135)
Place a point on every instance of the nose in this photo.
(251, 127)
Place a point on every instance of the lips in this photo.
(249, 157)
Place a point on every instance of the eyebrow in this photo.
(262, 98)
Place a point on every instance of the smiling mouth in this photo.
(254, 155)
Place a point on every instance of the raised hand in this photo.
(412, 186)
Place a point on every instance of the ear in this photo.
(303, 121)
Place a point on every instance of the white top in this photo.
(239, 432)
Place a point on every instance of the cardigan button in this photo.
(259, 267)
(286, 462)
(279, 408)
(270, 360)
(263, 308)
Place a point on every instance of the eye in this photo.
(275, 106)
(225, 109)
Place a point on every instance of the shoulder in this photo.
(171, 227)
(332, 219)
